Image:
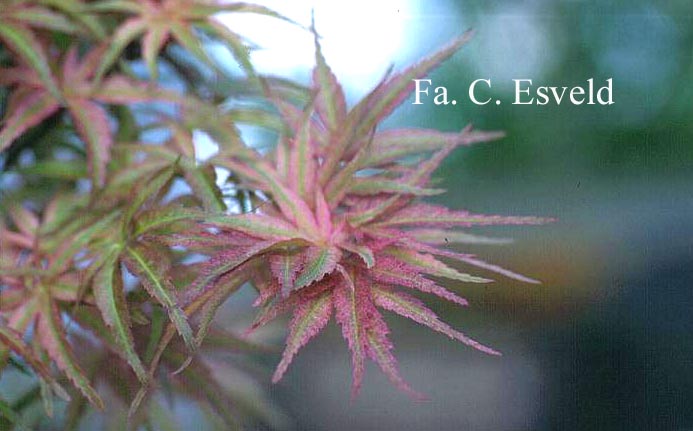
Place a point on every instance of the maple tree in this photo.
(117, 263)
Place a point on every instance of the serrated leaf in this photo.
(330, 102)
(148, 191)
(120, 90)
(110, 299)
(201, 180)
(375, 185)
(425, 215)
(380, 350)
(430, 265)
(260, 226)
(13, 340)
(93, 127)
(162, 216)
(309, 319)
(83, 234)
(284, 268)
(302, 165)
(160, 287)
(392, 145)
(440, 236)
(21, 40)
(52, 336)
(387, 97)
(319, 262)
(411, 308)
(365, 253)
(347, 315)
(393, 272)
(33, 108)
(292, 206)
(229, 260)
(213, 299)
(126, 33)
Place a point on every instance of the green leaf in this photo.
(20, 39)
(348, 316)
(13, 340)
(74, 244)
(148, 191)
(37, 16)
(152, 43)
(70, 170)
(202, 180)
(331, 103)
(110, 299)
(392, 145)
(365, 253)
(92, 124)
(52, 336)
(213, 299)
(233, 42)
(117, 6)
(143, 263)
(188, 40)
(374, 186)
(161, 216)
(441, 236)
(320, 262)
(430, 265)
(249, 165)
(382, 101)
(79, 240)
(125, 34)
(309, 319)
(29, 111)
(260, 226)
(411, 308)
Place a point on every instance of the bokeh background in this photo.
(606, 342)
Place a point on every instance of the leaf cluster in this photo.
(118, 243)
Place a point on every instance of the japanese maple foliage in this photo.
(341, 231)
(118, 244)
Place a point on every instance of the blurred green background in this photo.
(606, 342)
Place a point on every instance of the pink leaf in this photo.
(92, 124)
(319, 261)
(302, 164)
(385, 98)
(380, 350)
(323, 214)
(259, 226)
(428, 264)
(52, 336)
(392, 145)
(425, 215)
(33, 108)
(391, 271)
(348, 307)
(310, 317)
(330, 102)
(411, 308)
